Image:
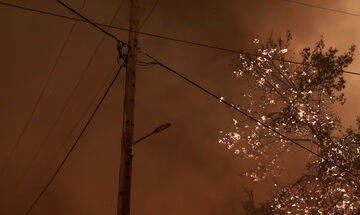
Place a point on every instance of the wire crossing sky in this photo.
(149, 34)
(223, 101)
(322, 8)
(96, 108)
(50, 75)
(208, 90)
(75, 143)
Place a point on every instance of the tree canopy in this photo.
(297, 99)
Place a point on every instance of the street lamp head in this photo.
(161, 127)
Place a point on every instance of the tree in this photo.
(251, 209)
(297, 100)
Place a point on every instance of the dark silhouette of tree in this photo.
(297, 100)
(251, 209)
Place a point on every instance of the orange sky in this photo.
(180, 171)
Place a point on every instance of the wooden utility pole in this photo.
(127, 142)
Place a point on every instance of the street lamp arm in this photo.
(144, 137)
(156, 130)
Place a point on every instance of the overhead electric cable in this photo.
(322, 8)
(223, 101)
(75, 143)
(42, 94)
(88, 21)
(120, 44)
(67, 103)
(157, 36)
(149, 14)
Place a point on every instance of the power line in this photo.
(149, 14)
(322, 8)
(139, 32)
(88, 21)
(183, 77)
(184, 41)
(75, 143)
(119, 43)
(247, 115)
(12, 151)
(71, 95)
(87, 110)
(156, 35)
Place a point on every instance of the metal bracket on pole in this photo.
(131, 151)
(121, 54)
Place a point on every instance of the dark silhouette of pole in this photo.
(127, 142)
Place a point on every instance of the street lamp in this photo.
(156, 130)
